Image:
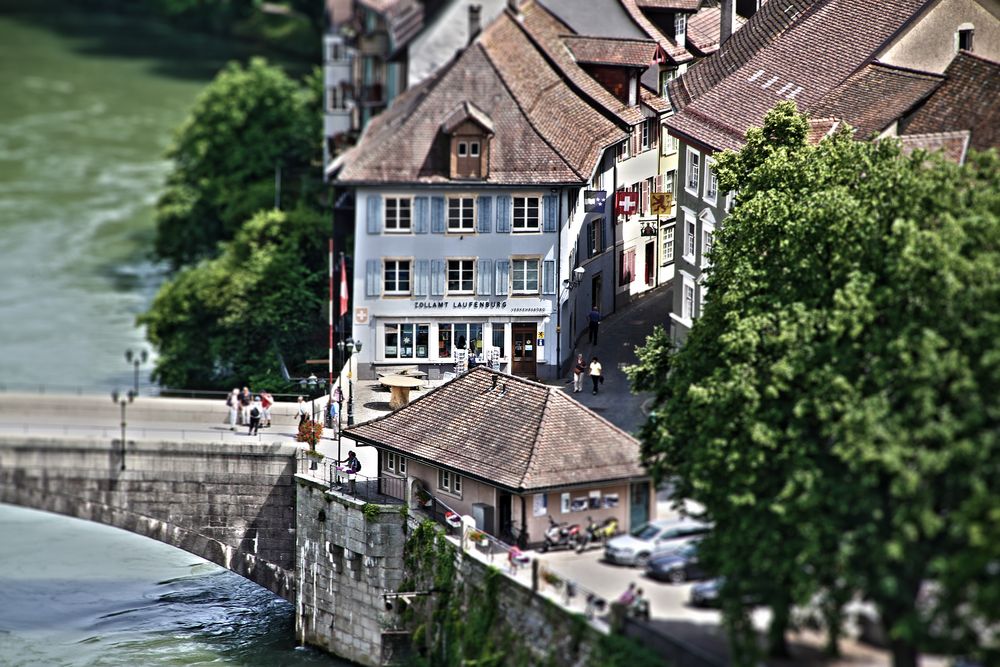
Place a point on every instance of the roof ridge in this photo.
(534, 443)
(901, 69)
(976, 56)
(648, 40)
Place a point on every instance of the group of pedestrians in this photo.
(248, 410)
(594, 369)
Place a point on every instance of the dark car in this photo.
(706, 594)
(677, 566)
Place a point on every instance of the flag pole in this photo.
(329, 354)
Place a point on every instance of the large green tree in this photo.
(248, 123)
(835, 406)
(221, 322)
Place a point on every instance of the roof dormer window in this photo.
(964, 37)
(470, 130)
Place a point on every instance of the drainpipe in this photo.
(614, 236)
(558, 288)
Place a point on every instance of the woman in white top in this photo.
(233, 403)
(303, 411)
(595, 373)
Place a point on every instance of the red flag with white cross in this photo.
(626, 203)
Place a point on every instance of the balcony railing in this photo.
(380, 490)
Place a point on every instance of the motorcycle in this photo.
(596, 533)
(559, 535)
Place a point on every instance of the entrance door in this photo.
(595, 291)
(523, 354)
(650, 262)
(638, 505)
(504, 516)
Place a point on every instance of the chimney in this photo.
(726, 20)
(475, 21)
(514, 6)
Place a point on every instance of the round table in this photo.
(400, 386)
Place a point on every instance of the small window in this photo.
(706, 246)
(668, 245)
(595, 237)
(396, 277)
(390, 461)
(965, 39)
(693, 171)
(644, 134)
(623, 150)
(526, 214)
(473, 149)
(456, 482)
(401, 465)
(397, 214)
(461, 276)
(463, 149)
(689, 240)
(680, 26)
(524, 276)
(687, 307)
(711, 185)
(498, 338)
(461, 214)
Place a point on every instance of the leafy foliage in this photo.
(249, 121)
(834, 408)
(219, 323)
(310, 432)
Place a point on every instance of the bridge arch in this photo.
(233, 505)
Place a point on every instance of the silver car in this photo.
(653, 537)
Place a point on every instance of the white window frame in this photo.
(395, 220)
(524, 227)
(680, 27)
(466, 205)
(463, 149)
(390, 461)
(397, 326)
(688, 289)
(692, 174)
(513, 275)
(473, 149)
(644, 132)
(689, 239)
(668, 244)
(472, 279)
(449, 482)
(707, 232)
(702, 293)
(668, 142)
(965, 29)
(711, 195)
(409, 276)
(623, 151)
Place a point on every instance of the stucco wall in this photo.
(931, 42)
(232, 504)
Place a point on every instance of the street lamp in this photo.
(123, 400)
(312, 382)
(136, 359)
(352, 345)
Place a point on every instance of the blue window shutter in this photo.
(503, 277)
(437, 215)
(374, 214)
(485, 206)
(549, 277)
(372, 277)
(485, 277)
(437, 277)
(504, 211)
(589, 231)
(421, 207)
(551, 213)
(604, 243)
(422, 285)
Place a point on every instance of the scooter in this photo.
(596, 533)
(559, 535)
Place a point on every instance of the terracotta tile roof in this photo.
(969, 99)
(655, 102)
(703, 30)
(611, 51)
(467, 111)
(954, 145)
(546, 32)
(544, 132)
(676, 53)
(789, 50)
(821, 128)
(670, 5)
(403, 18)
(875, 96)
(527, 438)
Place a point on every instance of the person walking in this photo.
(254, 418)
(266, 401)
(303, 411)
(579, 370)
(233, 403)
(246, 398)
(594, 320)
(596, 373)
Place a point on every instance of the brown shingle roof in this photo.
(467, 111)
(403, 18)
(611, 50)
(653, 101)
(527, 438)
(670, 5)
(544, 132)
(775, 58)
(969, 99)
(821, 128)
(703, 29)
(953, 145)
(875, 96)
(676, 53)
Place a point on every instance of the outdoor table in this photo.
(400, 386)
(415, 374)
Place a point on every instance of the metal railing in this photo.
(380, 490)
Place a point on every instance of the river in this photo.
(88, 106)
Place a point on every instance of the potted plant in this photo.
(310, 432)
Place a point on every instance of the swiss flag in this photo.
(626, 203)
(343, 286)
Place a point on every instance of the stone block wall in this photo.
(232, 504)
(346, 562)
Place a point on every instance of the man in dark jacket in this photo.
(594, 318)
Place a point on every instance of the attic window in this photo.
(473, 149)
(680, 26)
(462, 149)
(965, 39)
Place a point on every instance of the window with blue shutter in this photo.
(422, 284)
(374, 214)
(503, 277)
(422, 207)
(549, 277)
(550, 213)
(485, 206)
(372, 277)
(485, 277)
(437, 277)
(503, 214)
(437, 215)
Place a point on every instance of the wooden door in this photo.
(523, 349)
(650, 263)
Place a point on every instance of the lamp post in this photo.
(351, 345)
(312, 382)
(136, 359)
(123, 400)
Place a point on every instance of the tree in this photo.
(834, 408)
(220, 323)
(246, 124)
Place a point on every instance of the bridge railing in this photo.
(383, 490)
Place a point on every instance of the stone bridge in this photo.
(229, 502)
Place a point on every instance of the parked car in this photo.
(706, 594)
(654, 537)
(677, 566)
